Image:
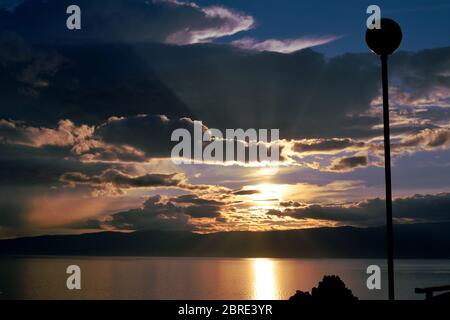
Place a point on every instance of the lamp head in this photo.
(387, 39)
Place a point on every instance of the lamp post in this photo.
(384, 41)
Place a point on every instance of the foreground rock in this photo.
(331, 288)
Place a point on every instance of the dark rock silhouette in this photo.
(331, 288)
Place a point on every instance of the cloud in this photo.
(117, 180)
(291, 204)
(427, 139)
(151, 79)
(122, 180)
(174, 213)
(282, 46)
(168, 21)
(27, 166)
(164, 213)
(412, 142)
(419, 208)
(326, 146)
(87, 91)
(229, 22)
(246, 192)
(423, 71)
(195, 200)
(203, 211)
(154, 214)
(66, 134)
(230, 94)
(347, 164)
(32, 68)
(148, 133)
(80, 139)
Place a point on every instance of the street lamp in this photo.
(384, 41)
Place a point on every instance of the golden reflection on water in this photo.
(265, 285)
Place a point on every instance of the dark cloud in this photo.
(194, 199)
(27, 172)
(204, 211)
(121, 180)
(424, 70)
(169, 21)
(223, 86)
(291, 204)
(346, 164)
(92, 84)
(433, 114)
(267, 90)
(291, 92)
(246, 192)
(148, 133)
(326, 145)
(32, 69)
(419, 208)
(160, 213)
(116, 181)
(28, 166)
(153, 215)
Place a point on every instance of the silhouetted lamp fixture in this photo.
(384, 41)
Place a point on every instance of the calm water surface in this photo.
(204, 278)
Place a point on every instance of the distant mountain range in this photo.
(411, 241)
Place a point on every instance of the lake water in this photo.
(204, 278)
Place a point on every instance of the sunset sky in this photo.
(86, 116)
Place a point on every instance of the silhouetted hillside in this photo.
(412, 241)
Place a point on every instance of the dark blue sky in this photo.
(425, 24)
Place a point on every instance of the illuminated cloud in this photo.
(205, 215)
(427, 139)
(65, 134)
(409, 143)
(282, 46)
(224, 22)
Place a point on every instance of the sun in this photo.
(268, 193)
